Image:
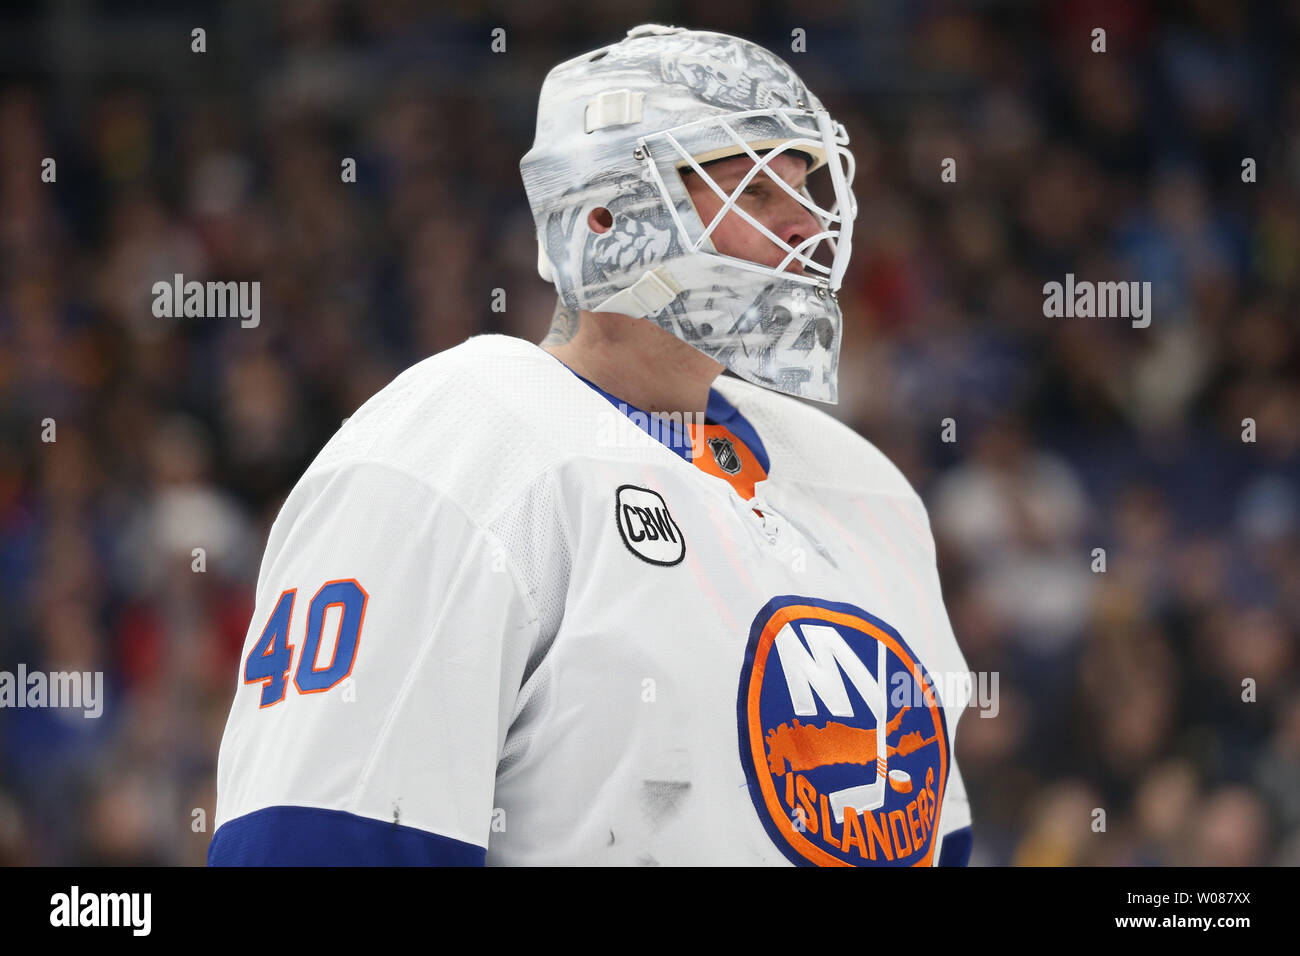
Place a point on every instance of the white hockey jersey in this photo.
(497, 622)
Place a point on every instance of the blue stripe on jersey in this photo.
(719, 412)
(312, 836)
(669, 435)
(722, 412)
(956, 848)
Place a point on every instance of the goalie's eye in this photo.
(764, 187)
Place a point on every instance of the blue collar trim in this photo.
(718, 412)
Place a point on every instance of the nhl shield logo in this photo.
(842, 737)
(724, 453)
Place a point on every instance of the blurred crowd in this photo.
(1164, 690)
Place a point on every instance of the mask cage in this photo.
(746, 133)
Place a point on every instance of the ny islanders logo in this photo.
(842, 737)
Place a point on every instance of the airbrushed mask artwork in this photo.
(616, 128)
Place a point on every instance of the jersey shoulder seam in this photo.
(423, 481)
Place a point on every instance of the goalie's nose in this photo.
(797, 227)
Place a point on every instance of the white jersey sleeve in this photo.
(955, 832)
(954, 839)
(378, 677)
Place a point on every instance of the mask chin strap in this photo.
(543, 263)
(646, 296)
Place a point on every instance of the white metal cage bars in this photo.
(842, 139)
(824, 217)
(842, 195)
(803, 199)
(729, 203)
(831, 143)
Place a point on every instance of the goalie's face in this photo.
(763, 199)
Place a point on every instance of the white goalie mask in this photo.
(616, 127)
